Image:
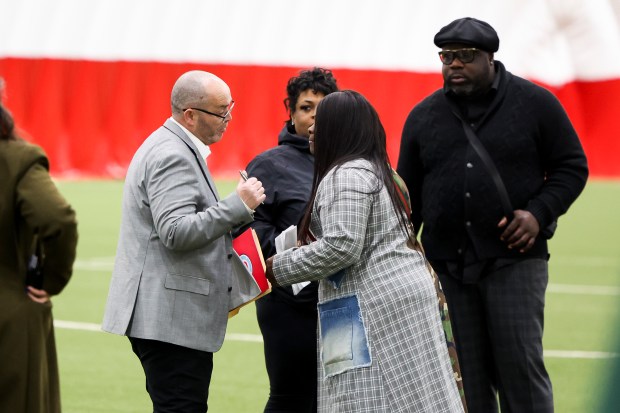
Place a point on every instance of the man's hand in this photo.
(251, 192)
(521, 232)
(36, 295)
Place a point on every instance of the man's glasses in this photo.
(464, 55)
(223, 117)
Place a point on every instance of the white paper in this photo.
(287, 240)
(299, 286)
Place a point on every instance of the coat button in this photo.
(229, 256)
(229, 289)
(467, 195)
(468, 223)
(470, 165)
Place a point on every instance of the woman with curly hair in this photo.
(287, 317)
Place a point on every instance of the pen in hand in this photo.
(244, 176)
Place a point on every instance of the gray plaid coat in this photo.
(381, 343)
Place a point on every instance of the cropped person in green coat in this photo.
(30, 208)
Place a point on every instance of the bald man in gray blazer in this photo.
(176, 274)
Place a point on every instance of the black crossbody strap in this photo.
(490, 165)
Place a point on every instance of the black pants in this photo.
(289, 333)
(177, 378)
(498, 329)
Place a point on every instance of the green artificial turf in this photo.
(99, 373)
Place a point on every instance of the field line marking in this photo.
(253, 338)
(257, 338)
(94, 264)
(107, 263)
(77, 325)
(568, 354)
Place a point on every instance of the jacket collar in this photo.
(288, 137)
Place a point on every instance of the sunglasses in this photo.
(464, 55)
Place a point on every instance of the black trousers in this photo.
(177, 378)
(289, 334)
(498, 329)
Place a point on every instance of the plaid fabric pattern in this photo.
(449, 335)
(358, 231)
(498, 325)
(403, 193)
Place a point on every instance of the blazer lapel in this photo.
(208, 177)
(174, 128)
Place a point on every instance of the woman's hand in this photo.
(38, 296)
(269, 272)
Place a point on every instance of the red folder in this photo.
(248, 249)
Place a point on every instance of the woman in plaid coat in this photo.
(381, 344)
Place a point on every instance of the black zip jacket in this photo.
(286, 172)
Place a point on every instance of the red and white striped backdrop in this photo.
(89, 80)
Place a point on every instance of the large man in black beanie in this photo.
(491, 253)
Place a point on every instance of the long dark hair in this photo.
(347, 127)
(7, 126)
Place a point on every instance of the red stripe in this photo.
(90, 117)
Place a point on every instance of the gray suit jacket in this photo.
(175, 275)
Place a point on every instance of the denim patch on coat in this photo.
(343, 341)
